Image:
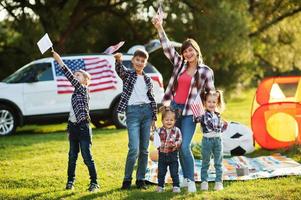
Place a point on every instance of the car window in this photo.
(32, 73)
(148, 69)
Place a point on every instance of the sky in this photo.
(2, 14)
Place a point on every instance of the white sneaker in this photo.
(218, 186)
(204, 186)
(184, 183)
(160, 189)
(176, 190)
(191, 186)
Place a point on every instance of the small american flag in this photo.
(197, 107)
(102, 75)
(113, 48)
(160, 12)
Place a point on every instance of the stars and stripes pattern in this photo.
(102, 74)
(112, 49)
(197, 107)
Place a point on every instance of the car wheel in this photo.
(8, 121)
(119, 119)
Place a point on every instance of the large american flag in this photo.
(197, 107)
(102, 75)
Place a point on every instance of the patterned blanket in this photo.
(260, 167)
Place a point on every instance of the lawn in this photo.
(33, 165)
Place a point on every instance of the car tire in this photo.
(119, 119)
(8, 121)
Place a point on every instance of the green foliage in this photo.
(243, 41)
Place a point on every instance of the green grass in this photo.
(33, 165)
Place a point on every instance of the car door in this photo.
(40, 91)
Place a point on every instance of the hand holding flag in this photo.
(113, 48)
(158, 18)
(160, 13)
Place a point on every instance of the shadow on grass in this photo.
(134, 194)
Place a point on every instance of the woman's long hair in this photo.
(189, 42)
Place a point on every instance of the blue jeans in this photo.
(80, 142)
(138, 121)
(171, 160)
(212, 146)
(187, 126)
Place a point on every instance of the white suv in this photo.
(31, 95)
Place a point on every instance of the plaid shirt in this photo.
(129, 78)
(80, 97)
(206, 81)
(212, 122)
(170, 142)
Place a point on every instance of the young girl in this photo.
(170, 138)
(212, 126)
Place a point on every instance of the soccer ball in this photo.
(237, 139)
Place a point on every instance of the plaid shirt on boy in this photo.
(80, 97)
(206, 81)
(129, 78)
(212, 122)
(171, 140)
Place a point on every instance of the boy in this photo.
(80, 133)
(137, 100)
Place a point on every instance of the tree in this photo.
(241, 40)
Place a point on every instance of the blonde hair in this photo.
(165, 110)
(220, 99)
(86, 75)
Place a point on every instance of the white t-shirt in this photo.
(139, 94)
(72, 117)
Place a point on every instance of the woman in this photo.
(190, 77)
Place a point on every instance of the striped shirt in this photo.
(170, 139)
(80, 97)
(129, 78)
(206, 80)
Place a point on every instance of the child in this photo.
(80, 134)
(170, 138)
(212, 126)
(137, 100)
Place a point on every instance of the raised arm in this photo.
(69, 75)
(168, 49)
(120, 69)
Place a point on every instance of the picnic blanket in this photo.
(259, 167)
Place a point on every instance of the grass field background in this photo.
(33, 165)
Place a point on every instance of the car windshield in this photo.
(148, 69)
(31, 73)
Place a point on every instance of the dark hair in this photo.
(141, 53)
(189, 42)
(165, 110)
(220, 98)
